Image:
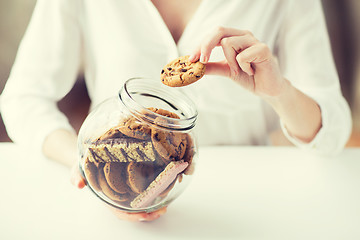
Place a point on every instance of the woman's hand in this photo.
(247, 61)
(251, 63)
(78, 181)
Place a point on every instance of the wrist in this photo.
(300, 114)
(285, 92)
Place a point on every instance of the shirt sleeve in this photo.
(306, 60)
(44, 71)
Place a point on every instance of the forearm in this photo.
(61, 146)
(300, 114)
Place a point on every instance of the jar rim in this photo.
(149, 87)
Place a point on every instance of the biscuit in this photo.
(170, 145)
(140, 175)
(164, 112)
(188, 156)
(115, 175)
(133, 128)
(91, 170)
(111, 134)
(121, 150)
(159, 185)
(108, 191)
(160, 161)
(181, 72)
(168, 189)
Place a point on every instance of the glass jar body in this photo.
(138, 150)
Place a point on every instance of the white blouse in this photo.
(114, 40)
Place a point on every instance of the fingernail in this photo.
(191, 58)
(78, 183)
(81, 183)
(142, 220)
(203, 59)
(249, 72)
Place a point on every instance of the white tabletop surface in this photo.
(236, 193)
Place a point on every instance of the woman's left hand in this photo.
(247, 61)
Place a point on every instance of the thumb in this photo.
(76, 179)
(218, 68)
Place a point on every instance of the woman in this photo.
(276, 52)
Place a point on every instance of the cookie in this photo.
(133, 128)
(111, 134)
(181, 72)
(159, 185)
(115, 175)
(91, 172)
(170, 145)
(160, 161)
(164, 112)
(188, 156)
(121, 150)
(140, 175)
(108, 191)
(168, 189)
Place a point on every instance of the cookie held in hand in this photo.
(181, 72)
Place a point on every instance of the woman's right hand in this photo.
(78, 181)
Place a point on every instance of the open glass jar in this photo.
(138, 150)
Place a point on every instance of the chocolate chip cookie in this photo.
(181, 72)
(164, 112)
(133, 128)
(170, 145)
(112, 133)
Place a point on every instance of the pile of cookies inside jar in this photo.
(136, 163)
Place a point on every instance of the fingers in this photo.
(244, 64)
(76, 179)
(218, 68)
(215, 40)
(194, 57)
(232, 46)
(142, 217)
(154, 215)
(253, 56)
(203, 52)
(241, 49)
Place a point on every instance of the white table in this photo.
(236, 193)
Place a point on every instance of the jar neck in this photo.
(139, 94)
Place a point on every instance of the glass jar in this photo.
(138, 150)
